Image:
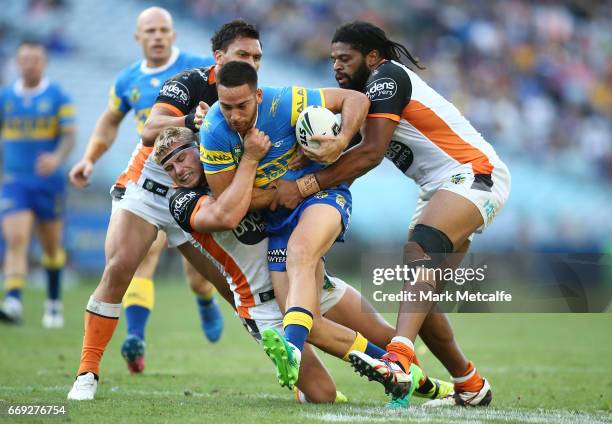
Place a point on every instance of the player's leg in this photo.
(446, 221)
(355, 312)
(53, 260)
(17, 232)
(315, 383)
(211, 318)
(128, 240)
(327, 335)
(138, 302)
(318, 227)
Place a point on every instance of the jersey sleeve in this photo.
(117, 99)
(216, 147)
(301, 98)
(66, 111)
(184, 204)
(181, 93)
(389, 91)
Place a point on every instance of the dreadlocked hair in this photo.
(365, 37)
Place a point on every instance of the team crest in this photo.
(43, 106)
(237, 152)
(457, 179)
(134, 95)
(340, 200)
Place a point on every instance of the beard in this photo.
(358, 80)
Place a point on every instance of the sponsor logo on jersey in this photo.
(179, 205)
(400, 155)
(278, 256)
(215, 157)
(155, 82)
(176, 91)
(251, 230)
(321, 195)
(381, 89)
(299, 100)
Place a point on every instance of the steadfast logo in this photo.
(381, 89)
(176, 91)
(304, 130)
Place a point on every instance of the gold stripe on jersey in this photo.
(66, 111)
(216, 157)
(114, 102)
(299, 101)
(273, 170)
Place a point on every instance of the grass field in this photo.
(543, 368)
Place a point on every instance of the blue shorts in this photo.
(280, 224)
(46, 198)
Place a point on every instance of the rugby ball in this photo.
(315, 120)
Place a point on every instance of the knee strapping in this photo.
(427, 247)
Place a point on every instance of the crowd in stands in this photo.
(533, 77)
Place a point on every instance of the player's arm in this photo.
(225, 211)
(353, 106)
(101, 139)
(47, 163)
(178, 105)
(361, 158)
(221, 181)
(162, 116)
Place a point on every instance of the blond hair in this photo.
(167, 138)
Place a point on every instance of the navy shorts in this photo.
(280, 224)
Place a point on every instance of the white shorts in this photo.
(153, 208)
(488, 200)
(269, 315)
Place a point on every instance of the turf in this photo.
(543, 368)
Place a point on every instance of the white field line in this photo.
(460, 415)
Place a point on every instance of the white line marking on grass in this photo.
(119, 390)
(460, 415)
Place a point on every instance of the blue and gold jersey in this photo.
(221, 147)
(137, 86)
(32, 121)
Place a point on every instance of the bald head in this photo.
(155, 34)
(153, 13)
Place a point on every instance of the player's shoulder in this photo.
(129, 72)
(214, 124)
(198, 74)
(190, 60)
(56, 90)
(386, 80)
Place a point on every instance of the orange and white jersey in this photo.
(433, 140)
(241, 255)
(142, 167)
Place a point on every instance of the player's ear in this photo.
(372, 58)
(259, 95)
(218, 55)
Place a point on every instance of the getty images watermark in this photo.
(403, 274)
(490, 282)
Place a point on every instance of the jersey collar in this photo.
(22, 91)
(148, 70)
